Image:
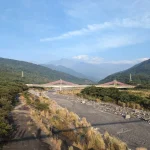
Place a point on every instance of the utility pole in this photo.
(22, 74)
(115, 82)
(130, 77)
(60, 84)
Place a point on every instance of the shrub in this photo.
(122, 98)
(107, 99)
(113, 143)
(5, 128)
(8, 99)
(137, 106)
(70, 148)
(41, 106)
(56, 144)
(132, 105)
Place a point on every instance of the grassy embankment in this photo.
(77, 132)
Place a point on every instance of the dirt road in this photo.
(134, 132)
(27, 136)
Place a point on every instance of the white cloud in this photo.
(99, 60)
(132, 62)
(86, 10)
(95, 60)
(89, 59)
(104, 43)
(143, 59)
(81, 57)
(81, 8)
(143, 22)
(111, 41)
(66, 35)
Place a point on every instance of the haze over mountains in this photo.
(10, 70)
(140, 74)
(65, 70)
(81, 69)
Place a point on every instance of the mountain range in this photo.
(94, 72)
(11, 70)
(140, 74)
(65, 70)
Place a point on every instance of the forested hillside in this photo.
(11, 70)
(140, 74)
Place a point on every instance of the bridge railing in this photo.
(80, 86)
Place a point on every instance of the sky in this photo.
(93, 31)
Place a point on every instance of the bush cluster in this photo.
(115, 96)
(35, 103)
(8, 99)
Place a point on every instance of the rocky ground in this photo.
(118, 110)
(109, 117)
(109, 107)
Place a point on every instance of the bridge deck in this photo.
(65, 84)
(79, 86)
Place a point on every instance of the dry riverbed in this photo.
(135, 132)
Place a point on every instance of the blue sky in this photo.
(93, 31)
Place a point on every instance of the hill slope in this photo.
(140, 74)
(65, 70)
(10, 70)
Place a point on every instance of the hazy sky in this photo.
(94, 31)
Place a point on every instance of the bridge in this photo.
(65, 84)
(58, 84)
(116, 84)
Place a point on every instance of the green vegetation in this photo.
(140, 87)
(41, 106)
(123, 98)
(36, 103)
(140, 74)
(12, 69)
(8, 98)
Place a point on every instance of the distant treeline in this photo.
(113, 95)
(8, 99)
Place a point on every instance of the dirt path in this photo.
(27, 136)
(134, 132)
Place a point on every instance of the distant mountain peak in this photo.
(65, 70)
(90, 71)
